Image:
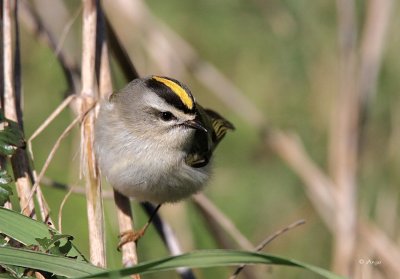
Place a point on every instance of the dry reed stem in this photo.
(47, 122)
(43, 205)
(19, 160)
(125, 222)
(344, 138)
(385, 250)
(210, 211)
(52, 153)
(319, 188)
(35, 24)
(121, 55)
(51, 117)
(104, 76)
(60, 210)
(357, 86)
(268, 240)
(76, 189)
(220, 225)
(164, 45)
(378, 15)
(88, 163)
(125, 218)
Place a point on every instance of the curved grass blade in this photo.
(40, 261)
(28, 231)
(211, 258)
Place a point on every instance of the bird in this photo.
(153, 142)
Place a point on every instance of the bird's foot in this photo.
(130, 236)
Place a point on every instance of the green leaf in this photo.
(27, 231)
(211, 258)
(11, 136)
(5, 193)
(5, 178)
(206, 258)
(40, 261)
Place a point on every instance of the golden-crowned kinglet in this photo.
(154, 142)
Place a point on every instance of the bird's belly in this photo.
(167, 179)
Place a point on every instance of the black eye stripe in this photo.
(168, 95)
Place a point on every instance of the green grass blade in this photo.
(55, 264)
(26, 230)
(22, 228)
(211, 258)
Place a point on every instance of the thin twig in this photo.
(51, 117)
(35, 24)
(66, 30)
(48, 120)
(76, 189)
(268, 240)
(120, 53)
(211, 211)
(43, 205)
(319, 187)
(372, 44)
(61, 209)
(52, 153)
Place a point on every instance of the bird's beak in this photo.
(195, 124)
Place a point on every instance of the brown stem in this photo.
(88, 163)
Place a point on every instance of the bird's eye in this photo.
(166, 116)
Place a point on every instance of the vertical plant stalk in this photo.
(125, 221)
(344, 141)
(124, 213)
(372, 44)
(12, 109)
(88, 161)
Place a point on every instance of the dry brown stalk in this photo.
(210, 211)
(268, 240)
(60, 210)
(125, 218)
(88, 163)
(319, 187)
(163, 40)
(125, 222)
(128, 69)
(52, 153)
(19, 160)
(104, 72)
(35, 24)
(357, 86)
(344, 137)
(220, 226)
(47, 121)
(373, 39)
(43, 206)
(385, 249)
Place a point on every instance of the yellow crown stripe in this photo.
(178, 90)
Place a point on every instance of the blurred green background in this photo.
(283, 56)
